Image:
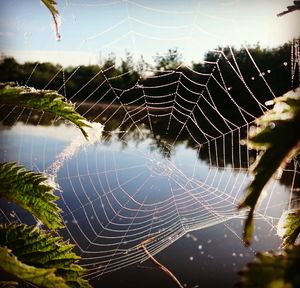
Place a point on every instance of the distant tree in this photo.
(170, 61)
(142, 67)
(235, 67)
(129, 74)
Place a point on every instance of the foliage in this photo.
(46, 100)
(273, 270)
(38, 276)
(35, 255)
(8, 284)
(30, 190)
(47, 253)
(279, 138)
(289, 227)
(171, 61)
(51, 5)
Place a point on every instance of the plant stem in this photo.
(162, 267)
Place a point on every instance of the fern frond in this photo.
(45, 100)
(38, 276)
(37, 248)
(29, 190)
(279, 138)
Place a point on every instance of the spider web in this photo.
(168, 160)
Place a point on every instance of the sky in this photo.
(93, 29)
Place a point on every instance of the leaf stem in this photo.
(162, 267)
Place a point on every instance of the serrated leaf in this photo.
(38, 276)
(45, 100)
(279, 138)
(29, 190)
(36, 248)
(273, 270)
(51, 5)
(289, 227)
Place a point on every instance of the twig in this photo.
(159, 265)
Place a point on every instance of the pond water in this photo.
(135, 186)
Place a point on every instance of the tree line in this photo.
(241, 78)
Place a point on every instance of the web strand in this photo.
(170, 156)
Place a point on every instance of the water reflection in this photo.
(221, 148)
(146, 182)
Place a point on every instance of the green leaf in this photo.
(38, 276)
(37, 248)
(51, 5)
(289, 227)
(45, 100)
(278, 136)
(30, 190)
(273, 270)
(249, 226)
